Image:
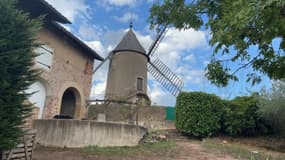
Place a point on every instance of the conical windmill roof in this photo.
(130, 43)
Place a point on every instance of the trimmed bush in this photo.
(198, 113)
(241, 117)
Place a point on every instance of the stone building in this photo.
(66, 62)
(127, 75)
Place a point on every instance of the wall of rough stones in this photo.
(151, 117)
(70, 69)
(34, 115)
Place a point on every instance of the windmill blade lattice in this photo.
(165, 77)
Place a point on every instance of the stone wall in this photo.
(78, 133)
(122, 76)
(150, 117)
(70, 69)
(34, 115)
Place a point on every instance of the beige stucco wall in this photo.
(124, 69)
(70, 68)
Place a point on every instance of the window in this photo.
(140, 84)
(44, 58)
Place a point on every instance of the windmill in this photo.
(129, 64)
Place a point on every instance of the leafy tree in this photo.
(17, 41)
(272, 106)
(236, 25)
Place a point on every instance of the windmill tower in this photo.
(129, 65)
(127, 75)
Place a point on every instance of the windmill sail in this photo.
(165, 77)
(107, 58)
(157, 40)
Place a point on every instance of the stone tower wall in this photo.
(125, 67)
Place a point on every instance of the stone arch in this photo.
(71, 102)
(80, 107)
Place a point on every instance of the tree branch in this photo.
(245, 65)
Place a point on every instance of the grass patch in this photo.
(144, 148)
(242, 151)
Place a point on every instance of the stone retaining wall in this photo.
(151, 117)
(78, 133)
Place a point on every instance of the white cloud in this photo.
(110, 4)
(97, 46)
(171, 50)
(145, 40)
(194, 76)
(126, 17)
(70, 8)
(88, 32)
(190, 57)
(159, 96)
(112, 38)
(98, 91)
(185, 40)
(121, 2)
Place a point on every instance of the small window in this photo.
(44, 58)
(140, 84)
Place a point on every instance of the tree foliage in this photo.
(241, 117)
(201, 114)
(17, 41)
(272, 106)
(237, 25)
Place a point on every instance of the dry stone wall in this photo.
(151, 117)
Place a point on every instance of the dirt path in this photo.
(194, 151)
(184, 150)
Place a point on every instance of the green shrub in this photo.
(198, 113)
(272, 107)
(241, 117)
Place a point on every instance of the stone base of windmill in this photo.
(150, 117)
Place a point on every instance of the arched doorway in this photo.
(38, 97)
(70, 102)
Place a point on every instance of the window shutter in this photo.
(44, 58)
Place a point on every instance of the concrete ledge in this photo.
(78, 133)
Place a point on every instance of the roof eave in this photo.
(81, 44)
(41, 7)
(62, 18)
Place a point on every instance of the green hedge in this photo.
(202, 115)
(241, 117)
(198, 113)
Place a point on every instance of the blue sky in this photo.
(102, 23)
